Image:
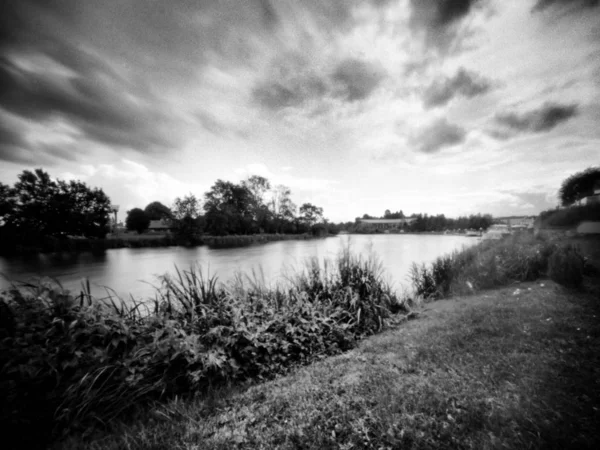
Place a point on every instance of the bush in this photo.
(566, 266)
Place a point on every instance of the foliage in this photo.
(579, 185)
(137, 220)
(426, 223)
(496, 371)
(188, 206)
(229, 209)
(69, 361)
(571, 216)
(519, 257)
(566, 266)
(38, 206)
(189, 224)
(158, 211)
(311, 214)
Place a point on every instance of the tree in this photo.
(189, 225)
(158, 211)
(137, 220)
(188, 206)
(282, 205)
(229, 209)
(311, 214)
(258, 187)
(579, 185)
(7, 203)
(86, 210)
(44, 207)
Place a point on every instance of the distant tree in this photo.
(186, 213)
(311, 214)
(578, 186)
(282, 205)
(158, 211)
(137, 220)
(188, 206)
(229, 208)
(258, 187)
(387, 214)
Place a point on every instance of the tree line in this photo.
(425, 222)
(249, 207)
(38, 207)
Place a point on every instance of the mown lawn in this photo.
(517, 367)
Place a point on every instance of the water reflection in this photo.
(132, 271)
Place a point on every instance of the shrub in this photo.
(566, 266)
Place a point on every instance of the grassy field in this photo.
(517, 367)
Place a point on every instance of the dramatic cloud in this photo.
(116, 71)
(12, 144)
(440, 19)
(292, 82)
(545, 118)
(276, 95)
(437, 135)
(357, 78)
(543, 4)
(467, 84)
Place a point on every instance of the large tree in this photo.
(137, 220)
(579, 185)
(7, 203)
(158, 211)
(44, 207)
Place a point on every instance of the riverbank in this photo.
(197, 339)
(492, 370)
(147, 240)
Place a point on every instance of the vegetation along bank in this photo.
(174, 372)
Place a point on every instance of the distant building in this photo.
(387, 224)
(594, 198)
(161, 226)
(517, 222)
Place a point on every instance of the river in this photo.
(132, 271)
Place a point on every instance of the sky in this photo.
(358, 106)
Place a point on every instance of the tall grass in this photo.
(519, 257)
(71, 362)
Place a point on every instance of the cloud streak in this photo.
(576, 4)
(440, 20)
(292, 82)
(463, 83)
(543, 119)
(438, 135)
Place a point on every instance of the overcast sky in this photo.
(454, 107)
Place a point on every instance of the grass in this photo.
(496, 370)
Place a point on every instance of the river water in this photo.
(132, 271)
